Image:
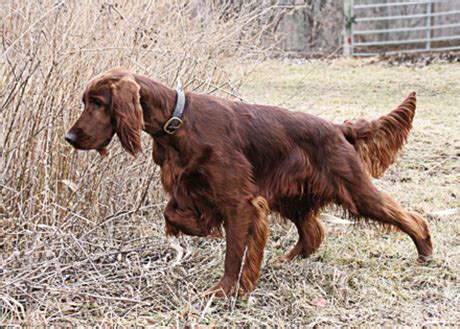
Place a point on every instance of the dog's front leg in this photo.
(246, 234)
(182, 220)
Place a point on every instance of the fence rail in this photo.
(402, 42)
(396, 4)
(372, 28)
(387, 18)
(407, 29)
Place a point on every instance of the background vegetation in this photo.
(81, 237)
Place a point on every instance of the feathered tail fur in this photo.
(379, 141)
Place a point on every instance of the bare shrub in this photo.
(63, 212)
(310, 27)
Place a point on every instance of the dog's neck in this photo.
(157, 103)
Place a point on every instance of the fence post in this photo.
(348, 28)
(429, 23)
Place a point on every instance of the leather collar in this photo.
(175, 122)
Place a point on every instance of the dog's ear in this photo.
(127, 113)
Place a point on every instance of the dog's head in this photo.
(111, 106)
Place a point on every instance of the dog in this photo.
(225, 164)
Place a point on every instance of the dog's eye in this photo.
(97, 103)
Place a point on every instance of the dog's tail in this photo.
(379, 141)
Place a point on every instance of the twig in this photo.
(32, 26)
(243, 261)
(221, 89)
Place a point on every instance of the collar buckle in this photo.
(172, 125)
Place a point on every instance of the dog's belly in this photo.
(295, 185)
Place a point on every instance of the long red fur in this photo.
(232, 161)
(379, 141)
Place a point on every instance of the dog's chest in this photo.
(169, 176)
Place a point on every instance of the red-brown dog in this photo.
(225, 163)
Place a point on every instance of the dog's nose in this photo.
(71, 138)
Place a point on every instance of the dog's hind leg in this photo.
(388, 211)
(311, 234)
(359, 196)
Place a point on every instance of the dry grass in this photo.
(81, 238)
(63, 213)
(367, 277)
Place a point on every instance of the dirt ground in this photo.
(360, 275)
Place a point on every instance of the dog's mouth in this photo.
(103, 148)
